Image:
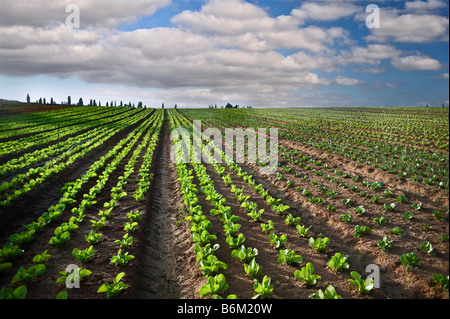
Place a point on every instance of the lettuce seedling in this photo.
(134, 216)
(329, 293)
(410, 260)
(99, 224)
(115, 288)
(206, 251)
(385, 244)
(23, 237)
(267, 227)
(398, 231)
(253, 269)
(121, 259)
(126, 241)
(279, 209)
(439, 279)
(42, 258)
(203, 238)
(302, 231)
(362, 230)
(8, 251)
(235, 242)
(256, 214)
(364, 285)
(263, 289)
(59, 239)
(28, 275)
(320, 244)
(214, 285)
(338, 262)
(307, 275)
(231, 228)
(83, 256)
(244, 254)
(130, 227)
(211, 265)
(427, 247)
(289, 257)
(380, 220)
(277, 241)
(290, 220)
(92, 237)
(13, 293)
(360, 210)
(81, 274)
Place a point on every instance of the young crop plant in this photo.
(235, 242)
(83, 256)
(114, 289)
(263, 289)
(427, 247)
(211, 265)
(362, 230)
(290, 220)
(277, 241)
(92, 237)
(338, 262)
(279, 209)
(245, 255)
(346, 218)
(408, 216)
(385, 244)
(8, 251)
(28, 275)
(306, 274)
(380, 220)
(130, 227)
(214, 286)
(126, 241)
(364, 286)
(360, 210)
(204, 252)
(302, 231)
(398, 231)
(441, 280)
(267, 227)
(410, 260)
(289, 257)
(320, 244)
(256, 214)
(42, 258)
(120, 259)
(253, 269)
(23, 237)
(329, 293)
(13, 293)
(389, 207)
(134, 216)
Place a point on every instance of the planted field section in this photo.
(99, 202)
(344, 217)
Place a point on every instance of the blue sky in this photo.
(257, 52)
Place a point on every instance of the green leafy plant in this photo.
(204, 252)
(267, 227)
(398, 231)
(263, 289)
(277, 241)
(385, 244)
(253, 269)
(203, 238)
(125, 242)
(380, 220)
(389, 207)
(410, 260)
(120, 259)
(360, 210)
(290, 220)
(329, 293)
(364, 286)
(59, 239)
(338, 262)
(23, 237)
(82, 272)
(289, 257)
(8, 251)
(320, 244)
(28, 275)
(134, 216)
(408, 216)
(439, 279)
(418, 206)
(302, 231)
(211, 265)
(362, 230)
(13, 293)
(114, 289)
(306, 274)
(244, 254)
(346, 217)
(83, 256)
(256, 214)
(214, 285)
(92, 237)
(427, 247)
(42, 258)
(235, 242)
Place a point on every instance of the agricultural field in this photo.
(356, 207)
